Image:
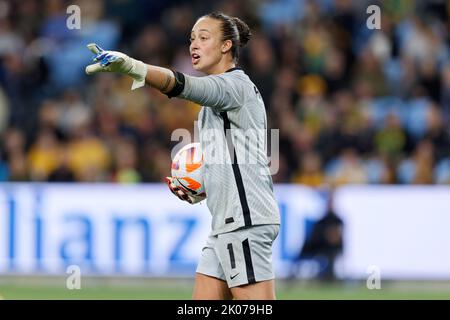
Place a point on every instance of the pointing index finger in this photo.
(94, 48)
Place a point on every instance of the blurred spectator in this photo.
(353, 105)
(327, 143)
(368, 70)
(43, 156)
(430, 79)
(17, 167)
(310, 172)
(62, 173)
(88, 156)
(437, 133)
(391, 139)
(155, 162)
(262, 64)
(419, 168)
(422, 42)
(324, 243)
(13, 141)
(312, 106)
(125, 158)
(335, 73)
(348, 169)
(73, 113)
(379, 170)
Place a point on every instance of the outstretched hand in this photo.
(118, 62)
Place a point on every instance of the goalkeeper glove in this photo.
(113, 61)
(181, 192)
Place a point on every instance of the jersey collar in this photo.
(232, 69)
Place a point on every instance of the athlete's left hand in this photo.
(118, 62)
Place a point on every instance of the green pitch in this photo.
(126, 288)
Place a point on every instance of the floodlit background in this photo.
(82, 159)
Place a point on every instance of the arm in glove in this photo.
(113, 61)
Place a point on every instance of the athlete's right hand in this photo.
(180, 192)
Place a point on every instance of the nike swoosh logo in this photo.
(232, 277)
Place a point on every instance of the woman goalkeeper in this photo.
(236, 261)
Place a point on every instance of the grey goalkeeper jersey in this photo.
(232, 128)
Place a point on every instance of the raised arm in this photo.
(113, 61)
(214, 91)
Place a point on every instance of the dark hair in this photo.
(233, 29)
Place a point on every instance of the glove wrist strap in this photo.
(138, 72)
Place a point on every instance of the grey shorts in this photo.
(240, 257)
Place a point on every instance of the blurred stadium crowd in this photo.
(353, 105)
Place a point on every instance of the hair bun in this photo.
(244, 31)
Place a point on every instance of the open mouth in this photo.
(195, 58)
